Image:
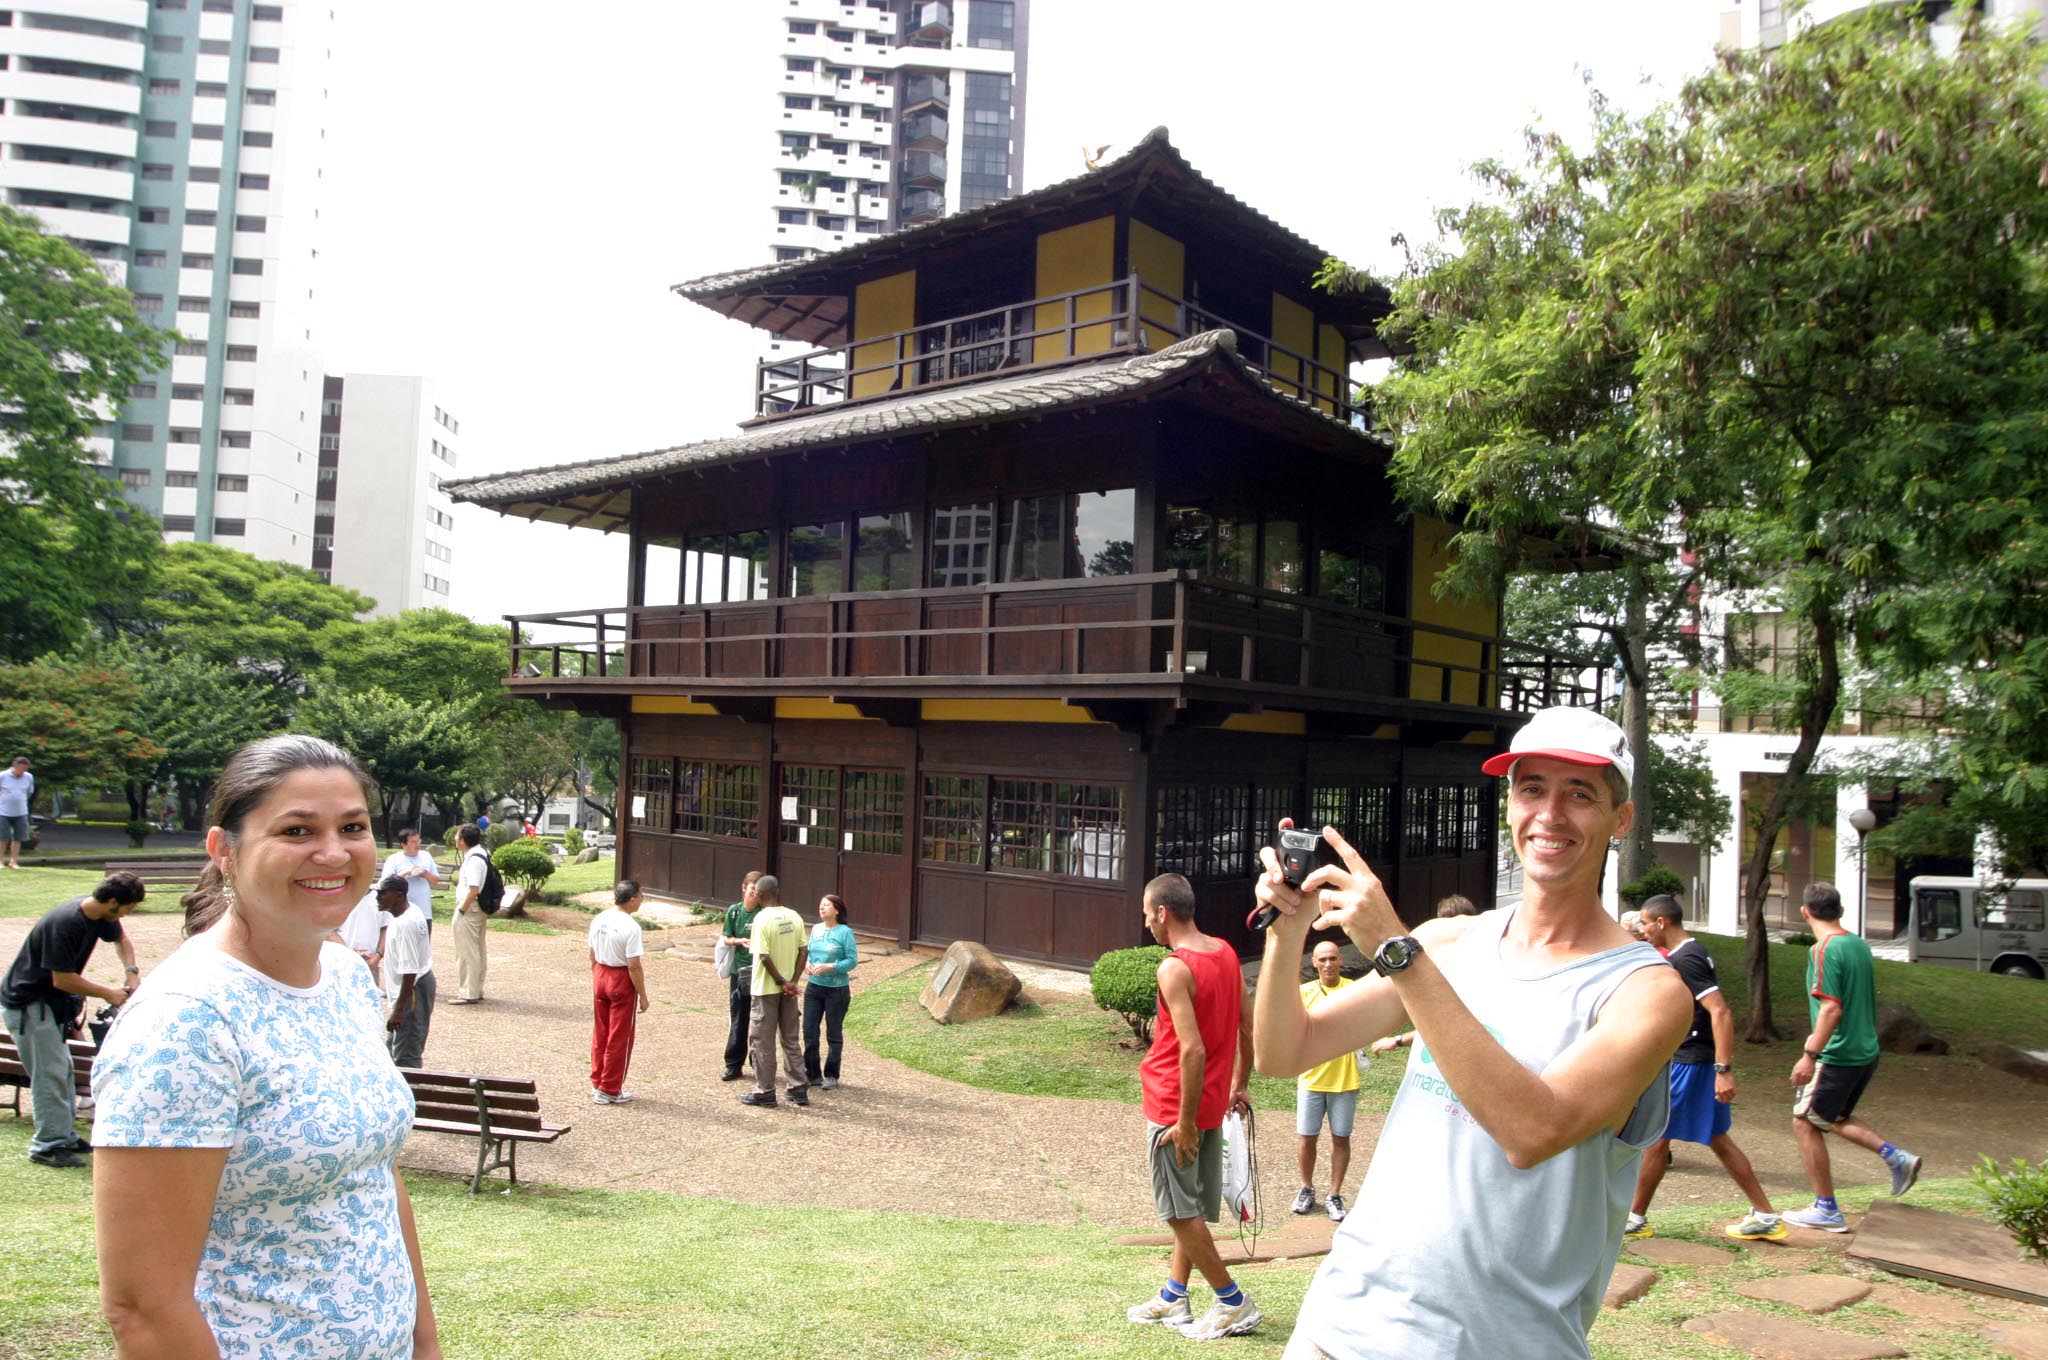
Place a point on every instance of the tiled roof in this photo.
(1078, 385)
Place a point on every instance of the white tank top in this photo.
(1450, 1253)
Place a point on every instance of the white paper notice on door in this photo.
(846, 841)
(788, 807)
(639, 807)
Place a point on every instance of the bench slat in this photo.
(543, 1134)
(425, 1076)
(465, 1100)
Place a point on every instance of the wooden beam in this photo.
(746, 709)
(894, 712)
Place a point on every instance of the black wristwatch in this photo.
(1395, 955)
(1723, 1068)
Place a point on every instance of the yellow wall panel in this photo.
(1160, 262)
(1432, 555)
(1273, 720)
(882, 307)
(1002, 710)
(1080, 256)
(1294, 328)
(820, 708)
(662, 703)
(1330, 354)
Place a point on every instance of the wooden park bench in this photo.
(178, 876)
(499, 1112)
(13, 1073)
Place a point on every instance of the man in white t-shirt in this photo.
(619, 994)
(408, 972)
(363, 931)
(17, 787)
(416, 866)
(470, 919)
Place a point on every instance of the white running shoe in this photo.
(1156, 1309)
(1222, 1320)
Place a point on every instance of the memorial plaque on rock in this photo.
(971, 984)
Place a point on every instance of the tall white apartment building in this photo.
(179, 142)
(382, 524)
(1767, 23)
(889, 113)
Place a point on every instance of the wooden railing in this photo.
(1127, 316)
(1130, 629)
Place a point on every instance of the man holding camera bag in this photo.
(1490, 1217)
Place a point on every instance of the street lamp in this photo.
(1863, 821)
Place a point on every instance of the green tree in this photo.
(420, 655)
(424, 747)
(71, 344)
(1796, 317)
(222, 605)
(76, 720)
(199, 711)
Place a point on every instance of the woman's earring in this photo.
(227, 891)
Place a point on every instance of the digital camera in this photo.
(1297, 855)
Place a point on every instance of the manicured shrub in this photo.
(1127, 981)
(524, 861)
(572, 841)
(1658, 880)
(500, 833)
(138, 831)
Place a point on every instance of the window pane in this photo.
(955, 818)
(1071, 829)
(704, 569)
(807, 810)
(1283, 565)
(650, 806)
(873, 808)
(732, 800)
(815, 554)
(963, 542)
(662, 571)
(1031, 539)
(1190, 534)
(885, 556)
(1106, 532)
(746, 565)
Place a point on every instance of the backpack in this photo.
(491, 895)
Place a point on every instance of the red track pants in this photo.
(614, 1006)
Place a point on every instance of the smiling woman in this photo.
(248, 1112)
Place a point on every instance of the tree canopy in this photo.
(1796, 319)
(265, 618)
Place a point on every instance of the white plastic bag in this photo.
(1237, 1168)
(722, 958)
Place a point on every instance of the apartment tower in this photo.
(382, 524)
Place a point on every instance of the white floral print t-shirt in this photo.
(304, 1255)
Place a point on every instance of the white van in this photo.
(1990, 928)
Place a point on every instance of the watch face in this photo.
(1397, 954)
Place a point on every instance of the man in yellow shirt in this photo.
(1330, 1090)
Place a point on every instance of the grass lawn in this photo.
(602, 1275)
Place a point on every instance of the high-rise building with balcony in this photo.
(889, 113)
(179, 142)
(382, 524)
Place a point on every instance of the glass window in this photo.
(1076, 830)
(1106, 532)
(1941, 913)
(873, 806)
(885, 555)
(955, 822)
(1282, 568)
(661, 571)
(816, 555)
(651, 783)
(1363, 812)
(1031, 539)
(808, 809)
(1202, 830)
(1211, 542)
(963, 543)
(2019, 909)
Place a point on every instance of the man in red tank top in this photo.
(1195, 1074)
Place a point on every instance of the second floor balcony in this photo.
(1167, 636)
(1126, 316)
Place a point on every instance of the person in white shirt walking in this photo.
(618, 986)
(416, 866)
(17, 786)
(470, 917)
(408, 971)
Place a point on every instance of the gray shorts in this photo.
(1191, 1191)
(16, 828)
(1311, 1106)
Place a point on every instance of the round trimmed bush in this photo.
(500, 833)
(524, 861)
(572, 841)
(1127, 981)
(1658, 880)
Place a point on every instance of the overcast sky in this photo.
(513, 187)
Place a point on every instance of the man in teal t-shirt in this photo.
(1840, 1054)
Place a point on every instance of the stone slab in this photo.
(1935, 1305)
(1969, 1253)
(2019, 1340)
(1296, 1240)
(1809, 1293)
(1628, 1284)
(1771, 1337)
(1670, 1251)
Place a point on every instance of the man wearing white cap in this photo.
(1489, 1220)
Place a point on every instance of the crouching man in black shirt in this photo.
(43, 998)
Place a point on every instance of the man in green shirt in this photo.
(739, 928)
(1840, 1054)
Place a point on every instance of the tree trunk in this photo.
(1816, 715)
(1638, 848)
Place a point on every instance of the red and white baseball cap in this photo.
(1578, 735)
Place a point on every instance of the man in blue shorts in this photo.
(1328, 1090)
(1702, 1081)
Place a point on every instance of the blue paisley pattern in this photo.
(304, 1255)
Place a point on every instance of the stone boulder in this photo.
(970, 984)
(1901, 1030)
(587, 855)
(2016, 1062)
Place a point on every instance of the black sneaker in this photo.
(731, 1074)
(799, 1096)
(56, 1156)
(78, 1145)
(760, 1100)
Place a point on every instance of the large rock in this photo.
(971, 984)
(587, 855)
(1901, 1030)
(2015, 1061)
